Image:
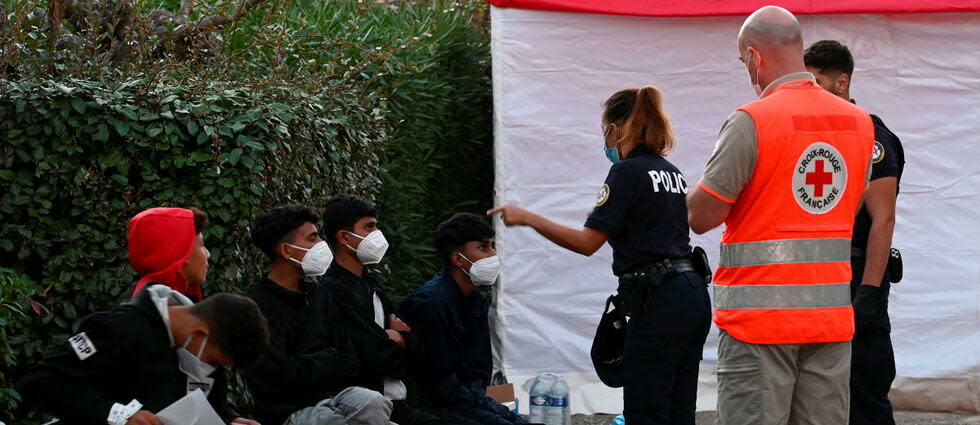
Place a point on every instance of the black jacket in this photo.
(309, 358)
(378, 356)
(130, 358)
(453, 336)
(453, 333)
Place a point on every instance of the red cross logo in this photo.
(819, 178)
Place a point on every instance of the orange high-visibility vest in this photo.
(784, 273)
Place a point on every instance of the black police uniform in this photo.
(643, 210)
(872, 357)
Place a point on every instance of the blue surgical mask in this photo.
(612, 154)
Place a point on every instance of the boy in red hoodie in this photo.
(166, 247)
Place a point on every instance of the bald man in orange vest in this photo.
(786, 177)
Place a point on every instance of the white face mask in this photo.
(317, 259)
(372, 248)
(483, 272)
(192, 365)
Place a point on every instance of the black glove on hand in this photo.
(867, 308)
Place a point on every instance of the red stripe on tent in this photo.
(740, 7)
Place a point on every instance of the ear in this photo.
(339, 238)
(843, 83)
(457, 260)
(282, 251)
(754, 57)
(199, 332)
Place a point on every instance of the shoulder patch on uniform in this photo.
(83, 346)
(603, 195)
(877, 152)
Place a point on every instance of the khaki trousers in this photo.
(783, 384)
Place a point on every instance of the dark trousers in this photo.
(872, 360)
(482, 415)
(404, 414)
(663, 349)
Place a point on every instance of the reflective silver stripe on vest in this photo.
(782, 296)
(788, 251)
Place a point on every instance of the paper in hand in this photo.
(192, 409)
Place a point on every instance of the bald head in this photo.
(771, 28)
(771, 44)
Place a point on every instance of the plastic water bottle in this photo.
(619, 420)
(538, 400)
(559, 412)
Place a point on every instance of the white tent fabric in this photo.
(552, 71)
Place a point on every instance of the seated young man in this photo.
(448, 316)
(382, 342)
(304, 377)
(130, 362)
(166, 247)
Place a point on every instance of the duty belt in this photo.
(665, 268)
(634, 288)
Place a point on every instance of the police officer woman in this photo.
(641, 212)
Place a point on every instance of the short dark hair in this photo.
(341, 212)
(201, 221)
(829, 56)
(457, 231)
(276, 224)
(238, 328)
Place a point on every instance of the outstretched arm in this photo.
(585, 241)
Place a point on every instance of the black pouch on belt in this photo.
(895, 266)
(634, 288)
(699, 259)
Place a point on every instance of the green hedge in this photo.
(79, 159)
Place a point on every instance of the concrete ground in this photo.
(902, 418)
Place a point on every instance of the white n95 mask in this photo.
(317, 259)
(483, 272)
(192, 365)
(372, 248)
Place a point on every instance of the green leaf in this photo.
(167, 114)
(154, 131)
(122, 127)
(128, 112)
(192, 127)
(102, 134)
(234, 155)
(79, 105)
(121, 179)
(248, 162)
(200, 156)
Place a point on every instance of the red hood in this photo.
(160, 241)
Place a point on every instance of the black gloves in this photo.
(870, 308)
